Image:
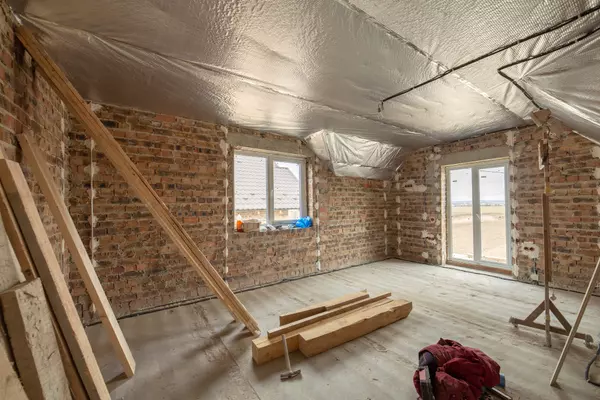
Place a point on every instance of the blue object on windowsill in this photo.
(304, 222)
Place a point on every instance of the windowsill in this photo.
(472, 265)
(275, 232)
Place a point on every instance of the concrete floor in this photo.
(195, 352)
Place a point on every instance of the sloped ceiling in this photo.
(299, 67)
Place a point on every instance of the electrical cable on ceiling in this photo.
(491, 53)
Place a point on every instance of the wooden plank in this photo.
(123, 164)
(10, 385)
(324, 315)
(265, 349)
(28, 268)
(334, 333)
(305, 312)
(29, 326)
(78, 252)
(542, 327)
(32, 228)
(584, 303)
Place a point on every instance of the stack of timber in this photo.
(320, 327)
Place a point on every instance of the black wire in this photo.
(491, 53)
(542, 54)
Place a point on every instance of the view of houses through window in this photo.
(268, 188)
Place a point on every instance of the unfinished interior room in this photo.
(324, 199)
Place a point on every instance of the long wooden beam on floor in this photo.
(123, 164)
(27, 266)
(27, 318)
(77, 249)
(38, 243)
(314, 309)
(273, 333)
(265, 349)
(323, 337)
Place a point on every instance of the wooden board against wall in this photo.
(27, 318)
(77, 249)
(34, 233)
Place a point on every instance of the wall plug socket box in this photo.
(534, 276)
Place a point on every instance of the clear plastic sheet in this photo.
(305, 67)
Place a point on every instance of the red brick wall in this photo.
(420, 192)
(29, 105)
(190, 164)
(352, 220)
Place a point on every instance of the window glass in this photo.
(286, 191)
(250, 187)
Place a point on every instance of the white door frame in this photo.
(476, 212)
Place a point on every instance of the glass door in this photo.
(478, 214)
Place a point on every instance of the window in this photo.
(478, 213)
(269, 187)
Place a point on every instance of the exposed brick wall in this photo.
(420, 196)
(29, 105)
(352, 220)
(190, 164)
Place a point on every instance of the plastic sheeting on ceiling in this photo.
(301, 67)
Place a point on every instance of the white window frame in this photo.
(476, 212)
(271, 159)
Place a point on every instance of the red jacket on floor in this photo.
(462, 372)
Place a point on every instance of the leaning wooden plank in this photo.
(305, 312)
(27, 319)
(32, 228)
(324, 315)
(265, 349)
(28, 268)
(123, 164)
(334, 333)
(77, 249)
(10, 385)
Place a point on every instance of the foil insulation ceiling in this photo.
(322, 67)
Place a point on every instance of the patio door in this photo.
(478, 222)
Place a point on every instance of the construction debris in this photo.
(324, 330)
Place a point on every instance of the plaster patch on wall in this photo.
(399, 252)
(434, 157)
(91, 169)
(94, 243)
(224, 147)
(224, 129)
(93, 220)
(95, 107)
(515, 233)
(397, 199)
(424, 216)
(597, 173)
(510, 138)
(398, 225)
(385, 214)
(596, 152)
(427, 235)
(530, 250)
(438, 209)
(425, 255)
(411, 186)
